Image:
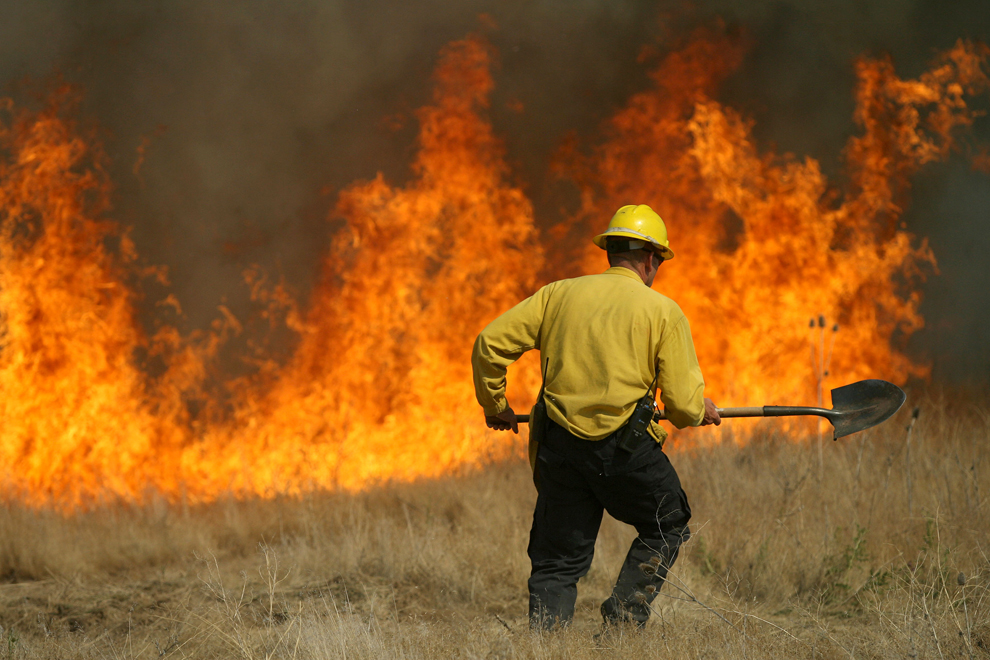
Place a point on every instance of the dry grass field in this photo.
(879, 552)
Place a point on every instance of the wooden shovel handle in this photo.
(751, 411)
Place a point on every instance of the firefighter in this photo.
(606, 341)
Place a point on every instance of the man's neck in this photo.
(639, 269)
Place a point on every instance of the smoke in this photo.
(252, 114)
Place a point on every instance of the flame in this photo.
(379, 385)
(81, 419)
(764, 242)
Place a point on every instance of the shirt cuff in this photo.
(500, 406)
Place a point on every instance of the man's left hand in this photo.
(711, 414)
(503, 421)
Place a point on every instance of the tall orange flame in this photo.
(379, 385)
(764, 243)
(78, 420)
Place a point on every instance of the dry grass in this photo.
(790, 559)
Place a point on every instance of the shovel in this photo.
(855, 407)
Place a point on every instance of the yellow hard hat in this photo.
(640, 223)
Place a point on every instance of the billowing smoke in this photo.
(251, 115)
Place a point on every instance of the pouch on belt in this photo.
(538, 420)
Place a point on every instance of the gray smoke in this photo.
(250, 109)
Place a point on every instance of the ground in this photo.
(875, 550)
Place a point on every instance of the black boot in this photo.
(643, 573)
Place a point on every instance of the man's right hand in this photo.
(711, 414)
(503, 421)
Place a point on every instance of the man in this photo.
(606, 340)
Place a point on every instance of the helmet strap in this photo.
(615, 245)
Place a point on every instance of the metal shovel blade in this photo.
(862, 405)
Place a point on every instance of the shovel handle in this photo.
(750, 411)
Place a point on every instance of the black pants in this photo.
(578, 480)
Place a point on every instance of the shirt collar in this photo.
(625, 272)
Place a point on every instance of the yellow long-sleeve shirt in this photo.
(603, 336)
